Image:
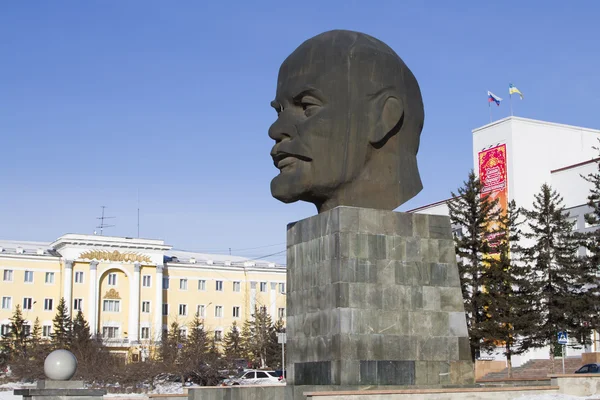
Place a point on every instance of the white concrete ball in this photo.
(60, 365)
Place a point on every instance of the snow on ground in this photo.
(6, 393)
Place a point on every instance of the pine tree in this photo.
(82, 344)
(171, 342)
(17, 339)
(259, 335)
(508, 297)
(559, 274)
(195, 351)
(232, 343)
(591, 241)
(62, 326)
(473, 212)
(36, 333)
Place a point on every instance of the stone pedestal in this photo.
(60, 390)
(374, 300)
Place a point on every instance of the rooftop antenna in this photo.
(102, 224)
(138, 214)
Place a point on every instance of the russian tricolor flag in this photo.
(494, 98)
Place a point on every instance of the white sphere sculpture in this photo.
(60, 365)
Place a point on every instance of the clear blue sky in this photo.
(100, 99)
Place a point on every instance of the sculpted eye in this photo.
(310, 105)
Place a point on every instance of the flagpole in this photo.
(510, 100)
(490, 107)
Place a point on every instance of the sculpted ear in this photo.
(391, 112)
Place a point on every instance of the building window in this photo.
(236, 312)
(201, 310)
(281, 313)
(46, 331)
(165, 282)
(201, 284)
(183, 284)
(111, 305)
(263, 286)
(145, 334)
(218, 336)
(218, 311)
(49, 277)
(165, 309)
(78, 304)
(282, 288)
(146, 280)
(5, 329)
(183, 332)
(263, 309)
(110, 332)
(27, 330)
(29, 276)
(6, 303)
(79, 277)
(237, 286)
(8, 275)
(27, 303)
(145, 306)
(48, 304)
(112, 279)
(183, 309)
(219, 286)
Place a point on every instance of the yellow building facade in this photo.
(131, 289)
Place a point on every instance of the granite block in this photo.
(446, 251)
(404, 224)
(413, 249)
(439, 274)
(385, 273)
(395, 247)
(451, 299)
(348, 219)
(431, 298)
(420, 225)
(313, 373)
(370, 220)
(439, 227)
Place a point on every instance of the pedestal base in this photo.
(374, 298)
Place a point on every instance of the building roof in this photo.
(581, 164)
(27, 248)
(33, 248)
(534, 121)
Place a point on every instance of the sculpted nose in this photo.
(281, 130)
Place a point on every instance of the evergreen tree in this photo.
(474, 213)
(17, 339)
(591, 241)
(82, 344)
(36, 333)
(171, 342)
(259, 335)
(560, 275)
(232, 343)
(508, 296)
(62, 326)
(194, 353)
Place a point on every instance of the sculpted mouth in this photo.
(282, 159)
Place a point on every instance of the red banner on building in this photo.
(493, 175)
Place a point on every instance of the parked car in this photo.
(253, 377)
(589, 369)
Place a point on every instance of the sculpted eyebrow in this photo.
(308, 91)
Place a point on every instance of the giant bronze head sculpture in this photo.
(350, 116)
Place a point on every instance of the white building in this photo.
(525, 154)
